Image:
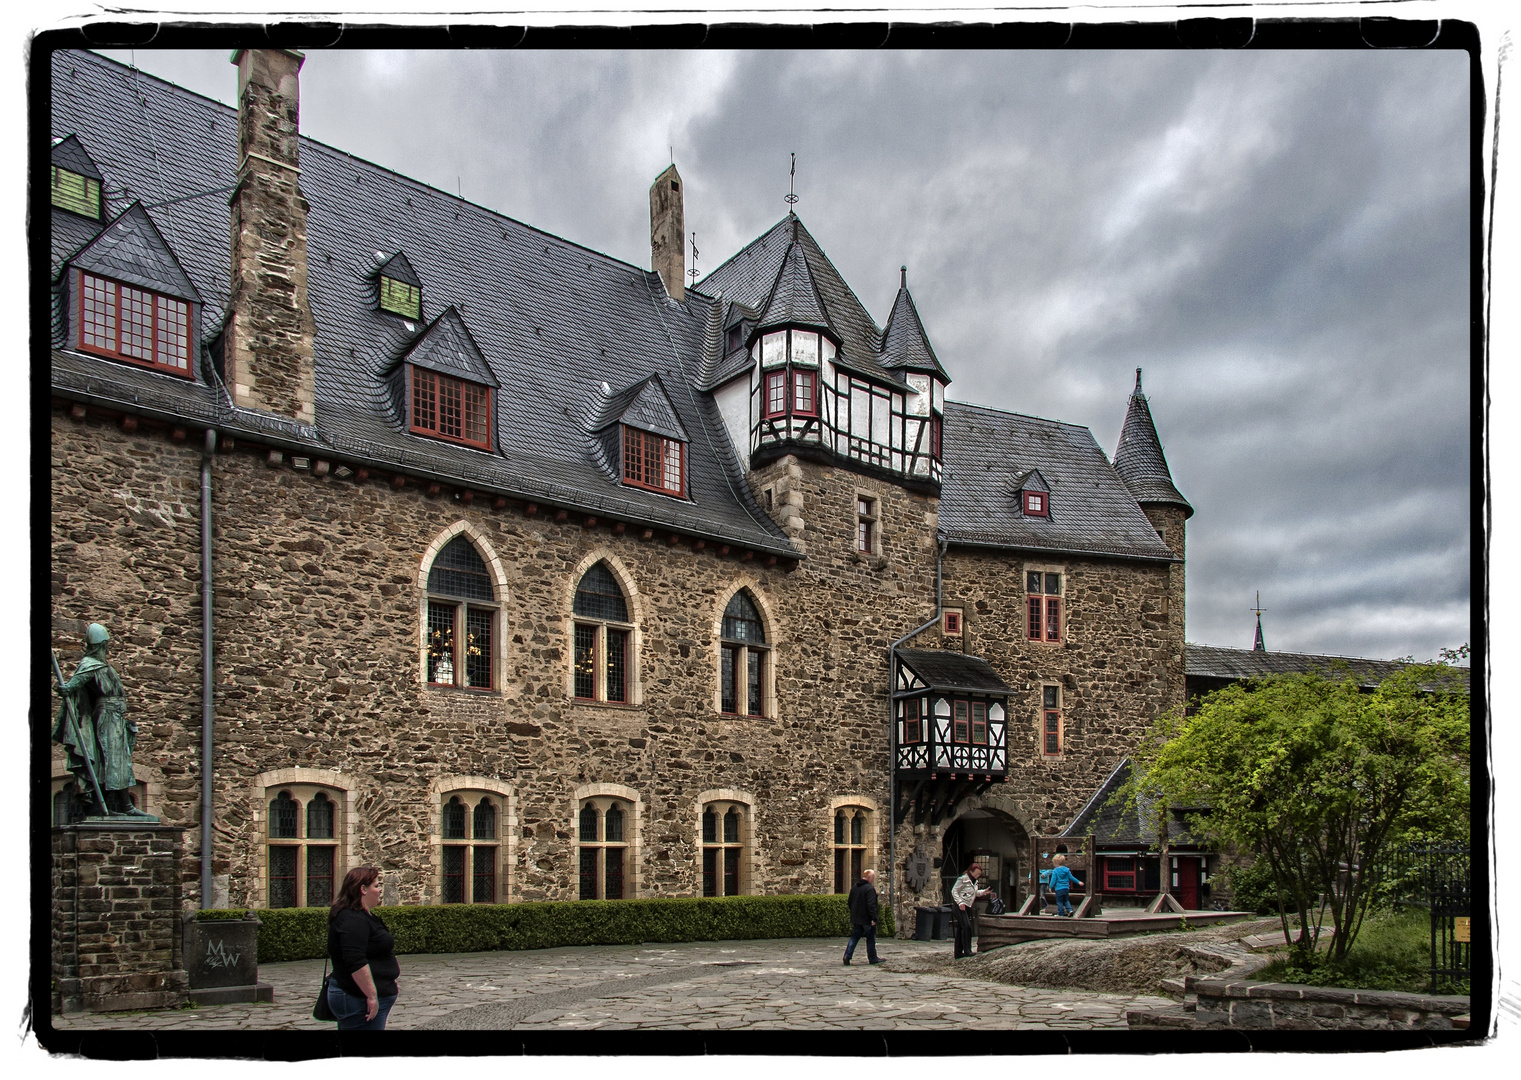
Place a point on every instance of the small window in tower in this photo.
(400, 298)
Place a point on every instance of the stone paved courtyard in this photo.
(788, 984)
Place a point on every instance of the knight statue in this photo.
(93, 727)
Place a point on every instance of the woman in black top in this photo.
(363, 987)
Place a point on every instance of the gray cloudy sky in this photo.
(1280, 239)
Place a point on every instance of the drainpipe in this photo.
(892, 734)
(206, 690)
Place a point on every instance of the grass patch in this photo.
(1392, 952)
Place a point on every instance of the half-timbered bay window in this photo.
(602, 828)
(851, 833)
(743, 660)
(1051, 732)
(1043, 592)
(602, 634)
(723, 849)
(450, 408)
(461, 628)
(790, 372)
(128, 323)
(303, 847)
(653, 461)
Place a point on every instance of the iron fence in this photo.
(1438, 878)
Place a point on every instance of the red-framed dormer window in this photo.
(449, 408)
(654, 462)
(132, 324)
(1037, 504)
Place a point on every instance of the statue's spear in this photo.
(73, 722)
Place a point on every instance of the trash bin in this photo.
(932, 923)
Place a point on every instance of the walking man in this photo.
(863, 917)
(964, 894)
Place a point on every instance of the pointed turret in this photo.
(905, 345)
(794, 299)
(1139, 459)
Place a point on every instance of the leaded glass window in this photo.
(603, 849)
(461, 618)
(723, 847)
(600, 662)
(743, 656)
(469, 870)
(303, 858)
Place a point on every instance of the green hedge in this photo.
(301, 933)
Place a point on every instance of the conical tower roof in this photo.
(794, 299)
(1139, 459)
(905, 345)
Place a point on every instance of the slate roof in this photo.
(446, 346)
(748, 278)
(132, 250)
(987, 454)
(1139, 458)
(1115, 824)
(794, 297)
(944, 669)
(69, 153)
(1214, 662)
(397, 268)
(646, 406)
(551, 319)
(904, 342)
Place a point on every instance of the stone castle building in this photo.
(530, 574)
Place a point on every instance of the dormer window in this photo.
(1036, 504)
(450, 408)
(736, 336)
(653, 462)
(76, 193)
(400, 298)
(128, 323)
(399, 289)
(1034, 495)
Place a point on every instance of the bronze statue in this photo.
(96, 734)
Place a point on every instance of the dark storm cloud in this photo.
(1280, 239)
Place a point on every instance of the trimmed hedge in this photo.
(301, 933)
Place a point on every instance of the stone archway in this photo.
(995, 838)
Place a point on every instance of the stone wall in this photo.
(116, 918)
(319, 583)
(1256, 1006)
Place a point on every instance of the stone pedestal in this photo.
(222, 958)
(116, 915)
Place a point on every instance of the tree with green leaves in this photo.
(1319, 779)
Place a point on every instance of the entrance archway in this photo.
(995, 839)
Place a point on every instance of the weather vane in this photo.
(692, 273)
(792, 198)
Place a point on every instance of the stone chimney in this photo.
(668, 233)
(267, 351)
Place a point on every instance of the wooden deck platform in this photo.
(996, 931)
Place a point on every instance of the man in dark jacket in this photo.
(863, 917)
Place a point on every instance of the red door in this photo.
(1188, 882)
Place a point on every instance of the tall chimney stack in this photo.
(268, 350)
(668, 233)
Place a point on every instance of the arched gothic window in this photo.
(471, 857)
(744, 659)
(462, 614)
(725, 835)
(603, 828)
(852, 838)
(602, 658)
(303, 846)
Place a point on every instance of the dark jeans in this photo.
(349, 1009)
(963, 921)
(869, 932)
(1063, 905)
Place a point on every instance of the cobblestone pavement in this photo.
(792, 984)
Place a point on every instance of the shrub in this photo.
(301, 933)
(1253, 887)
(1393, 952)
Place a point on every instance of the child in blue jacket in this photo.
(1062, 880)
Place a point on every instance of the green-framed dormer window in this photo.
(400, 298)
(75, 193)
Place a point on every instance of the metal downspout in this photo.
(206, 689)
(892, 735)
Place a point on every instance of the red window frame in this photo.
(1051, 733)
(952, 623)
(1037, 504)
(980, 723)
(805, 393)
(653, 462)
(1044, 612)
(935, 423)
(790, 391)
(776, 393)
(1122, 873)
(479, 633)
(911, 727)
(101, 317)
(451, 409)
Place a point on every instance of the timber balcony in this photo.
(951, 731)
